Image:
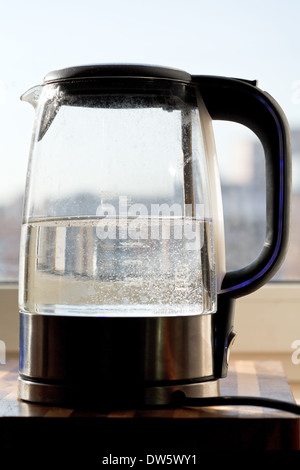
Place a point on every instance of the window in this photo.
(242, 171)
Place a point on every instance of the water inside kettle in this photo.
(118, 267)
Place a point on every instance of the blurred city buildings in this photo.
(244, 215)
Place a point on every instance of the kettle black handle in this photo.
(242, 102)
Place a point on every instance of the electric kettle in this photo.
(124, 296)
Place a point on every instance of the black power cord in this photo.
(179, 399)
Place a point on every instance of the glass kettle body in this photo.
(118, 215)
(122, 247)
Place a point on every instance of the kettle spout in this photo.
(32, 95)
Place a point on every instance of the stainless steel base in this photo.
(115, 361)
(60, 394)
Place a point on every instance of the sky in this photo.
(254, 40)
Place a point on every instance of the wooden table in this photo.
(145, 434)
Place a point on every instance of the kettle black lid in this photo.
(117, 70)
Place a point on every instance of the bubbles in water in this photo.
(97, 266)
